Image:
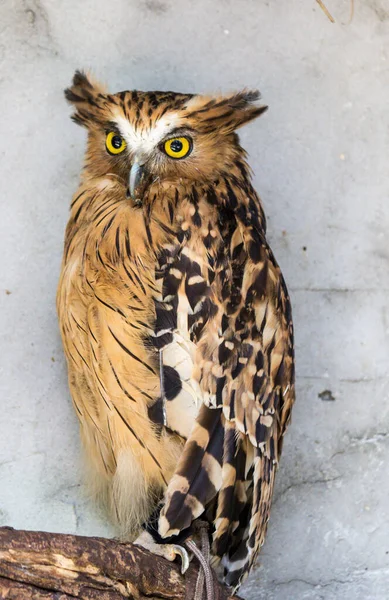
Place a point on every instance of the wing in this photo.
(245, 369)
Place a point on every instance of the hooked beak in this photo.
(135, 179)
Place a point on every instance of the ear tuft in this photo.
(228, 113)
(80, 79)
(242, 99)
(86, 95)
(245, 109)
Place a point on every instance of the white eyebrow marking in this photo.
(143, 140)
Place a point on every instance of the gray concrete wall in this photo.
(320, 157)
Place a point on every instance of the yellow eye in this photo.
(178, 147)
(114, 143)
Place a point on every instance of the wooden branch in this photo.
(36, 565)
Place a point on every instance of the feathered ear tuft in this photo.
(243, 99)
(228, 113)
(87, 96)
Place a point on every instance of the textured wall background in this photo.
(320, 157)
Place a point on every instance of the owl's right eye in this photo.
(114, 143)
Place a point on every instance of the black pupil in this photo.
(116, 142)
(176, 146)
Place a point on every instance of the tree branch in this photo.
(36, 565)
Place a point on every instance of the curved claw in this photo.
(182, 553)
(168, 551)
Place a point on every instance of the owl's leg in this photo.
(168, 551)
(169, 548)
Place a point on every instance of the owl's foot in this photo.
(168, 551)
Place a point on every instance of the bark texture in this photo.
(36, 565)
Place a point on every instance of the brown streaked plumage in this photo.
(175, 319)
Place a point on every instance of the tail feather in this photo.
(254, 519)
(231, 500)
(221, 473)
(198, 477)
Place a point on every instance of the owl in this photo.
(176, 322)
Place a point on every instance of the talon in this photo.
(168, 551)
(180, 551)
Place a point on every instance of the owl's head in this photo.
(149, 136)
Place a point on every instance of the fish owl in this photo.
(176, 322)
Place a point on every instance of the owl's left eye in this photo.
(178, 147)
(114, 143)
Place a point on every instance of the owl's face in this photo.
(148, 136)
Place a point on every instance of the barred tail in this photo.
(253, 522)
(198, 477)
(220, 472)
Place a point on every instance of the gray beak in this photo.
(135, 179)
